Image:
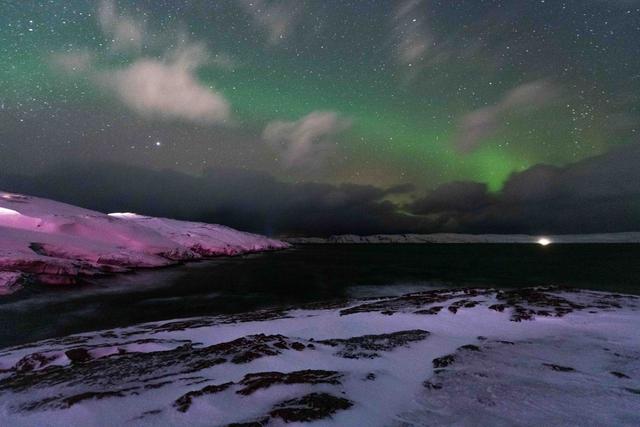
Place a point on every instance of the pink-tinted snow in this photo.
(56, 242)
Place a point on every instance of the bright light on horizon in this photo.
(544, 241)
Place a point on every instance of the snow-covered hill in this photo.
(57, 243)
(464, 357)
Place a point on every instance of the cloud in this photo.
(127, 34)
(278, 18)
(77, 62)
(599, 194)
(247, 200)
(484, 122)
(154, 88)
(411, 34)
(453, 197)
(306, 141)
(169, 88)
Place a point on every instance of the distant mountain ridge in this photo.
(444, 238)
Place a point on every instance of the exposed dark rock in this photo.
(298, 346)
(157, 385)
(183, 403)
(460, 304)
(524, 303)
(444, 361)
(78, 355)
(520, 313)
(34, 361)
(529, 302)
(312, 407)
(620, 375)
(430, 311)
(470, 347)
(259, 380)
(68, 402)
(415, 301)
(181, 325)
(141, 368)
(246, 349)
(559, 368)
(431, 385)
(64, 341)
(367, 346)
(39, 404)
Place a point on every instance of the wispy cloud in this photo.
(306, 141)
(126, 32)
(165, 88)
(74, 62)
(412, 38)
(278, 18)
(484, 122)
(411, 30)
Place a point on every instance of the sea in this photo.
(307, 274)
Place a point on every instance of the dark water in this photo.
(307, 274)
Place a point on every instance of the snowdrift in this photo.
(57, 243)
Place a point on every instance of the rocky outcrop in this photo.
(392, 359)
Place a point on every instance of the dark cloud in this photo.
(401, 189)
(600, 194)
(453, 197)
(239, 198)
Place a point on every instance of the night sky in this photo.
(320, 117)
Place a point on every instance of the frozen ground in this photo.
(536, 356)
(57, 243)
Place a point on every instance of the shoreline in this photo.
(452, 238)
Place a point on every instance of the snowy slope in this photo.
(57, 243)
(467, 357)
(203, 239)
